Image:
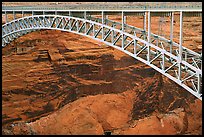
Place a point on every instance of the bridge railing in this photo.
(104, 7)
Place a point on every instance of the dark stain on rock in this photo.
(89, 57)
(146, 72)
(67, 58)
(178, 103)
(27, 92)
(125, 61)
(47, 108)
(43, 56)
(10, 120)
(70, 97)
(148, 99)
(64, 50)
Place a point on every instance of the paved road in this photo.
(95, 6)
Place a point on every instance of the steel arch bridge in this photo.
(171, 59)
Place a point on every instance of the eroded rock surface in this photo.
(75, 85)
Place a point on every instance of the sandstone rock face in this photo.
(88, 115)
(162, 124)
(20, 128)
(195, 118)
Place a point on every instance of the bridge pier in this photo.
(199, 84)
(135, 44)
(180, 45)
(125, 19)
(171, 31)
(85, 15)
(149, 36)
(113, 34)
(144, 21)
(14, 15)
(102, 14)
(122, 29)
(181, 35)
(6, 17)
(22, 14)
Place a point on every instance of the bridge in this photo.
(171, 59)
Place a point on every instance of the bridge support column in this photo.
(85, 21)
(149, 36)
(77, 26)
(180, 46)
(171, 31)
(113, 34)
(122, 29)
(102, 14)
(135, 49)
(6, 17)
(144, 21)
(199, 84)
(14, 15)
(125, 19)
(144, 26)
(106, 19)
(84, 14)
(22, 14)
(56, 19)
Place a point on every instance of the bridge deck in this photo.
(108, 7)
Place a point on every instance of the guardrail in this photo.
(103, 7)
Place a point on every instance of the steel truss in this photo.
(165, 56)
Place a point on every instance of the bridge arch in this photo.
(156, 57)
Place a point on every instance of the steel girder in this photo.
(153, 53)
(172, 47)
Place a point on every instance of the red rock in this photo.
(164, 124)
(88, 115)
